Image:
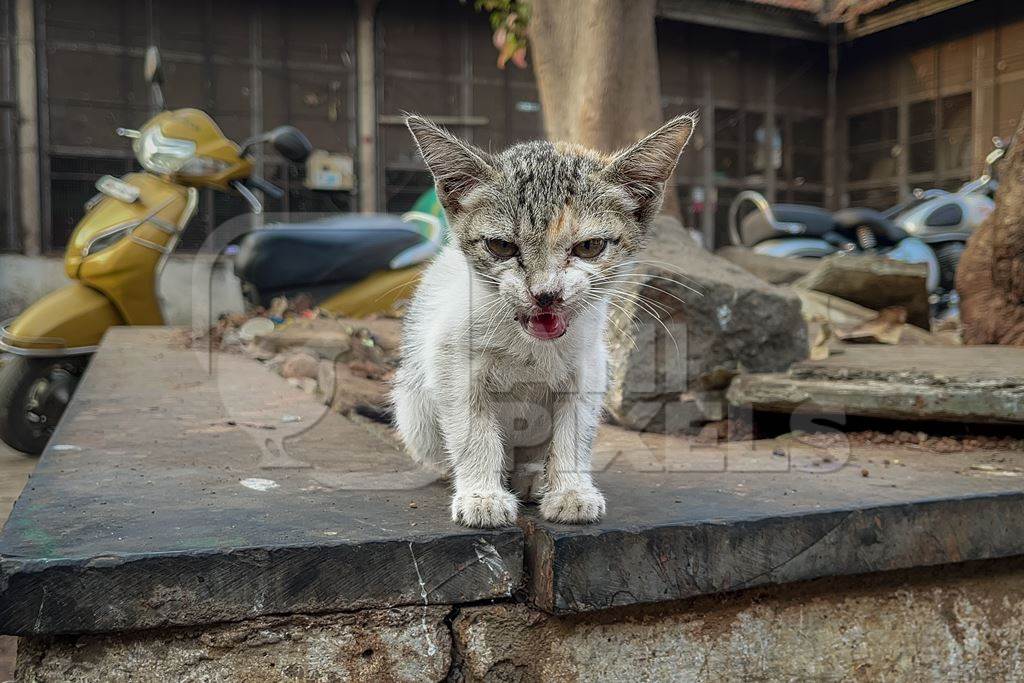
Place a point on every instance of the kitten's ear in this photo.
(457, 167)
(643, 169)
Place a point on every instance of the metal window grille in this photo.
(251, 66)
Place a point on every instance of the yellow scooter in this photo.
(115, 255)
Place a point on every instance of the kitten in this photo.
(503, 352)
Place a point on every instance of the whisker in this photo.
(590, 303)
(478, 311)
(655, 277)
(663, 264)
(494, 321)
(652, 307)
(665, 310)
(644, 284)
(659, 321)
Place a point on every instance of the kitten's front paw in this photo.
(487, 509)
(573, 506)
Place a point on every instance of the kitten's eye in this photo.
(502, 249)
(589, 248)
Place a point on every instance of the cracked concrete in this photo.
(956, 622)
(961, 623)
(407, 644)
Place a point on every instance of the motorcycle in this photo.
(932, 228)
(116, 253)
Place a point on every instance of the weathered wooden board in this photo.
(983, 384)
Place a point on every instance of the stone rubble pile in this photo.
(346, 362)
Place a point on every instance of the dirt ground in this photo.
(14, 471)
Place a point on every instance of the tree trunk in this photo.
(990, 278)
(596, 63)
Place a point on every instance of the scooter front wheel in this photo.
(34, 392)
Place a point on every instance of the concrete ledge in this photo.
(174, 495)
(579, 572)
(963, 622)
(944, 624)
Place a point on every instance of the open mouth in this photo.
(545, 325)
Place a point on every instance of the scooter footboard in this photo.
(66, 322)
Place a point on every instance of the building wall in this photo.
(436, 58)
(917, 104)
(260, 64)
(762, 107)
(9, 219)
(920, 104)
(251, 65)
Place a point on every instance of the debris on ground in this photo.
(347, 362)
(884, 328)
(875, 282)
(998, 471)
(842, 314)
(348, 391)
(821, 335)
(917, 440)
(722, 431)
(299, 365)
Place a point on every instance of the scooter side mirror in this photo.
(290, 142)
(152, 68)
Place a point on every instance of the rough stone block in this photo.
(954, 625)
(774, 269)
(409, 644)
(875, 282)
(701, 321)
(954, 622)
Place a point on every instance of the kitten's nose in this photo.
(545, 299)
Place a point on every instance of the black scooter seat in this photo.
(330, 254)
(755, 227)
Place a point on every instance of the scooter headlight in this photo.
(160, 154)
(203, 166)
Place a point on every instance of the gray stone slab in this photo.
(684, 521)
(873, 281)
(144, 511)
(774, 269)
(982, 384)
(688, 323)
(160, 502)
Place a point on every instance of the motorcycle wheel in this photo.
(948, 256)
(34, 392)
